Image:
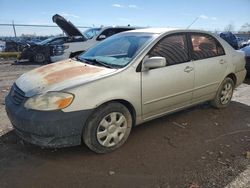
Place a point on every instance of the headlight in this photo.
(49, 101)
(65, 46)
(59, 49)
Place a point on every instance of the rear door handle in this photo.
(188, 69)
(222, 61)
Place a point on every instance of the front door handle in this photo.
(188, 69)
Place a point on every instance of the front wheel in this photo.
(39, 58)
(224, 94)
(108, 128)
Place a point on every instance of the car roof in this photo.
(120, 27)
(165, 30)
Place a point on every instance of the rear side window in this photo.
(173, 48)
(205, 46)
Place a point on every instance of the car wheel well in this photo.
(233, 77)
(73, 54)
(128, 105)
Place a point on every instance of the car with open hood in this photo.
(41, 52)
(93, 35)
(123, 81)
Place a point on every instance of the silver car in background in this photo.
(127, 79)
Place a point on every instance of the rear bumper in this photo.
(240, 76)
(47, 129)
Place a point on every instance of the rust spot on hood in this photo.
(45, 68)
(70, 72)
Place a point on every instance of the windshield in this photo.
(118, 50)
(52, 40)
(90, 33)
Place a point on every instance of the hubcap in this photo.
(40, 57)
(111, 129)
(226, 93)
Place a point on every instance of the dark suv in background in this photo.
(231, 39)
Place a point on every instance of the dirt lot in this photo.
(197, 147)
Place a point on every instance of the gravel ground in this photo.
(198, 147)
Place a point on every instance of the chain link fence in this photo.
(18, 30)
(13, 35)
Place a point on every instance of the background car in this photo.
(246, 50)
(40, 52)
(246, 43)
(92, 32)
(231, 39)
(93, 36)
(2, 46)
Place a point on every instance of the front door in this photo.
(168, 88)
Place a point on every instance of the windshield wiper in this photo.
(97, 61)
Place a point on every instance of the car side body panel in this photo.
(161, 96)
(208, 75)
(201, 91)
(118, 86)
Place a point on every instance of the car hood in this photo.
(59, 76)
(66, 26)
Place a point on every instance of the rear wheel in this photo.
(224, 94)
(108, 128)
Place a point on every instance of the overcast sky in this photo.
(213, 14)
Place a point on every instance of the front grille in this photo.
(17, 95)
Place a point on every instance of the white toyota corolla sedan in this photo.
(128, 79)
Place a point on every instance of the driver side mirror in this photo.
(154, 62)
(102, 37)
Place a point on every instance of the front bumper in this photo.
(47, 128)
(25, 54)
(59, 57)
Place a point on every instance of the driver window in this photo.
(107, 33)
(173, 48)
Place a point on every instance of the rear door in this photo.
(210, 65)
(170, 87)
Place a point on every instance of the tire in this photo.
(107, 128)
(39, 58)
(224, 94)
